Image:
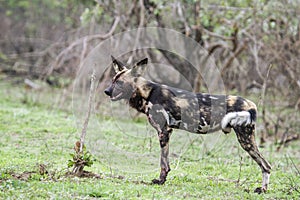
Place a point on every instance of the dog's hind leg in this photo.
(246, 137)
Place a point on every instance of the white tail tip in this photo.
(236, 118)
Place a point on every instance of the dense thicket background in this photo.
(256, 44)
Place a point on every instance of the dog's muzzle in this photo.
(108, 91)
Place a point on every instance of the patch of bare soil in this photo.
(84, 174)
(43, 171)
(24, 176)
(42, 174)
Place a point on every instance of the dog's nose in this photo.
(107, 91)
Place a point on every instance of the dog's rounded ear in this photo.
(117, 65)
(140, 67)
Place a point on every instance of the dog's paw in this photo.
(158, 181)
(260, 190)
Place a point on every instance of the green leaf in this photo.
(70, 163)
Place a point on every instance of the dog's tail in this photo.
(244, 117)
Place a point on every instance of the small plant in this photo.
(80, 159)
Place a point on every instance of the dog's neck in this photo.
(139, 98)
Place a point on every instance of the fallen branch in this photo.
(32, 85)
(286, 138)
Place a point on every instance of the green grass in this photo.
(35, 131)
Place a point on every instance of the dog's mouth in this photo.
(116, 98)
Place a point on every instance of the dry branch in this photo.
(232, 57)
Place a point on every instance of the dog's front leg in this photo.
(158, 118)
(164, 137)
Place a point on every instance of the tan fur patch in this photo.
(250, 105)
(165, 92)
(231, 100)
(141, 85)
(183, 103)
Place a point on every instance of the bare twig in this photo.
(82, 158)
(86, 121)
(263, 95)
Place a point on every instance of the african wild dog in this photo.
(167, 108)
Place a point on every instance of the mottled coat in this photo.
(169, 108)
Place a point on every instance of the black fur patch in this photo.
(252, 114)
(137, 102)
(238, 105)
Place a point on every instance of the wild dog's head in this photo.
(124, 82)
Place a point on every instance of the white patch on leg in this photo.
(148, 107)
(211, 97)
(235, 119)
(165, 114)
(265, 180)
